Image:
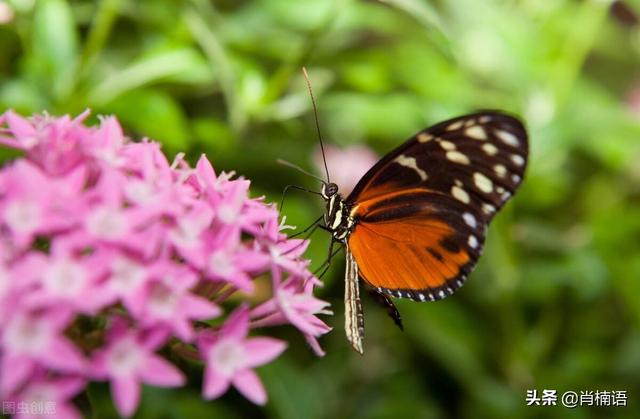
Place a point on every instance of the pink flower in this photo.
(300, 309)
(49, 397)
(346, 165)
(61, 279)
(230, 358)
(45, 134)
(31, 341)
(39, 204)
(293, 303)
(285, 254)
(166, 300)
(93, 224)
(129, 360)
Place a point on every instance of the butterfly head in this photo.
(329, 189)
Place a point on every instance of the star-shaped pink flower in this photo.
(129, 360)
(32, 339)
(230, 358)
(49, 397)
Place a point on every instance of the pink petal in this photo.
(294, 247)
(199, 308)
(66, 411)
(309, 304)
(237, 325)
(302, 322)
(64, 355)
(265, 309)
(15, 371)
(315, 345)
(183, 329)
(161, 373)
(205, 171)
(68, 387)
(118, 328)
(254, 261)
(275, 319)
(248, 383)
(206, 338)
(242, 281)
(109, 133)
(126, 394)
(11, 142)
(20, 127)
(156, 337)
(84, 115)
(263, 350)
(215, 384)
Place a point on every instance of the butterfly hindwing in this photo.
(421, 213)
(416, 250)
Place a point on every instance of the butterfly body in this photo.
(337, 217)
(414, 225)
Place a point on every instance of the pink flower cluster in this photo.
(109, 253)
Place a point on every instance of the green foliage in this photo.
(555, 302)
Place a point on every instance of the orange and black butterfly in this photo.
(414, 226)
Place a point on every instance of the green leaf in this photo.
(145, 71)
(154, 114)
(22, 96)
(54, 46)
(292, 394)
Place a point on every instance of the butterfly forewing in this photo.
(421, 213)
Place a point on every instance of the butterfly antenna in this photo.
(315, 113)
(298, 168)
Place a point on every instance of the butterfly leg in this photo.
(386, 302)
(324, 267)
(311, 227)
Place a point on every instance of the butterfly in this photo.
(415, 224)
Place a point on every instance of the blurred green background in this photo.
(555, 300)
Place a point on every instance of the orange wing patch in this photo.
(405, 246)
(412, 259)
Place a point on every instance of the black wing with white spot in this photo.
(479, 159)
